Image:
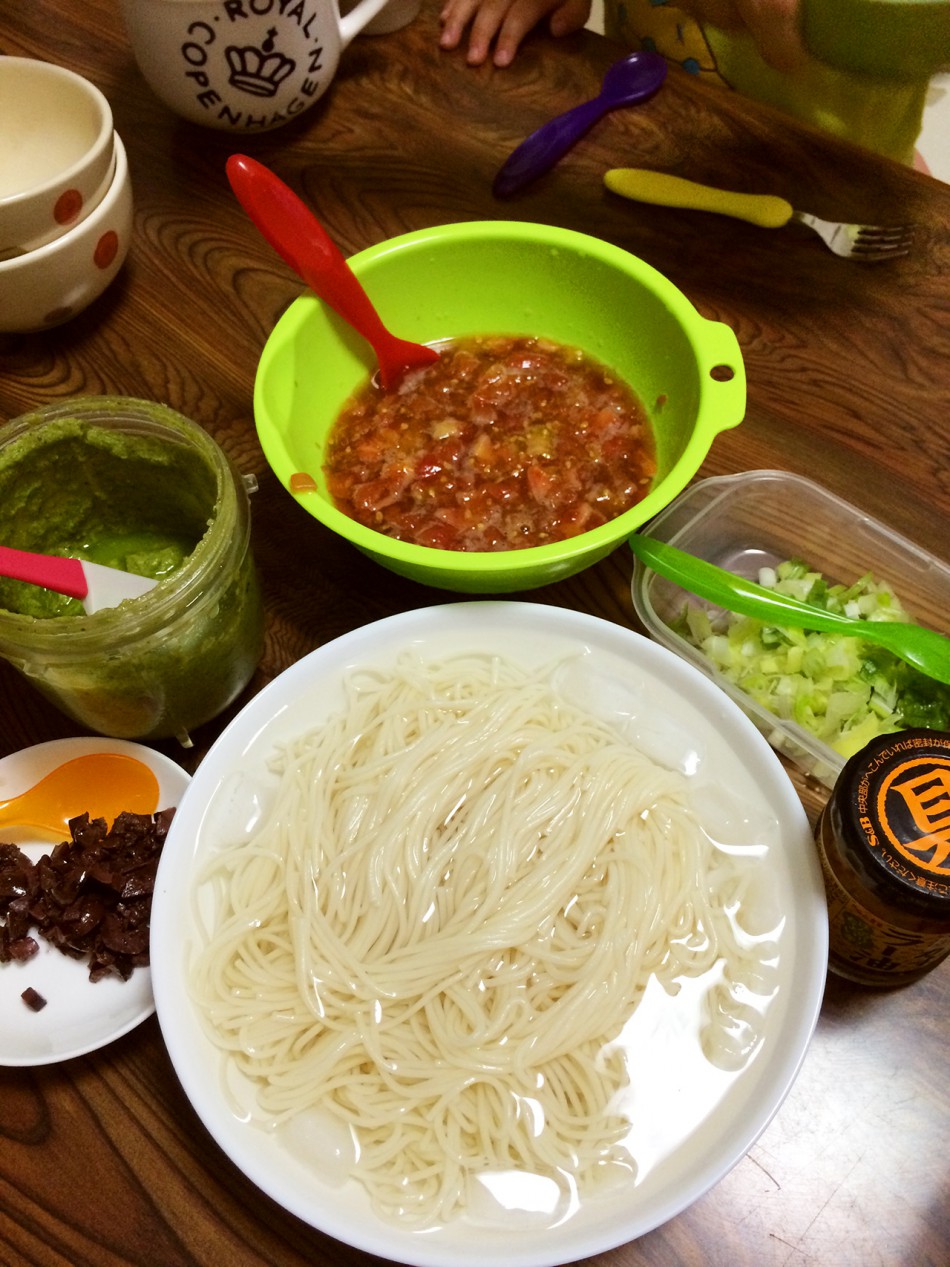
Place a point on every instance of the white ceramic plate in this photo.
(708, 1121)
(80, 1015)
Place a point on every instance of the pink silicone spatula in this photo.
(94, 584)
(301, 241)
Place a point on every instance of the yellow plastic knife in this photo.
(663, 190)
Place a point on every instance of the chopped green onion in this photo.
(838, 687)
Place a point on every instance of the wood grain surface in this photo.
(102, 1159)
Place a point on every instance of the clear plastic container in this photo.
(758, 518)
(135, 477)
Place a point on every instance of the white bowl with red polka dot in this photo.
(57, 160)
(50, 285)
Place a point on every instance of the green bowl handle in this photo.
(723, 394)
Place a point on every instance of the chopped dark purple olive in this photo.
(33, 999)
(91, 897)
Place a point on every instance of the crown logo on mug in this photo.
(243, 65)
(259, 71)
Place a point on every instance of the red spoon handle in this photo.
(64, 576)
(301, 241)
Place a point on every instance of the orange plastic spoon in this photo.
(102, 784)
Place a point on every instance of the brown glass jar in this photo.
(884, 842)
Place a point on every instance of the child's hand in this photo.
(774, 25)
(506, 22)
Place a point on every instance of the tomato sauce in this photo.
(504, 442)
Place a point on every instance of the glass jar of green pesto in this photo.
(135, 485)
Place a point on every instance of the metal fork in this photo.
(864, 242)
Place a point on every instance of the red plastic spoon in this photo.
(302, 242)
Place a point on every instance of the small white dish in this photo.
(80, 1015)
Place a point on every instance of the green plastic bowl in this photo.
(513, 278)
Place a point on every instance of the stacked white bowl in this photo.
(65, 195)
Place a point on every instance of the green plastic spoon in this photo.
(923, 648)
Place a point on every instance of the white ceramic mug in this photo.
(395, 15)
(241, 65)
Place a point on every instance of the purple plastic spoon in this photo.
(626, 82)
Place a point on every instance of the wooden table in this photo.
(102, 1159)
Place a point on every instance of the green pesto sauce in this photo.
(143, 501)
(146, 554)
(129, 501)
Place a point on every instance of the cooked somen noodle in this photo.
(438, 934)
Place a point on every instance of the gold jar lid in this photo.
(891, 810)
